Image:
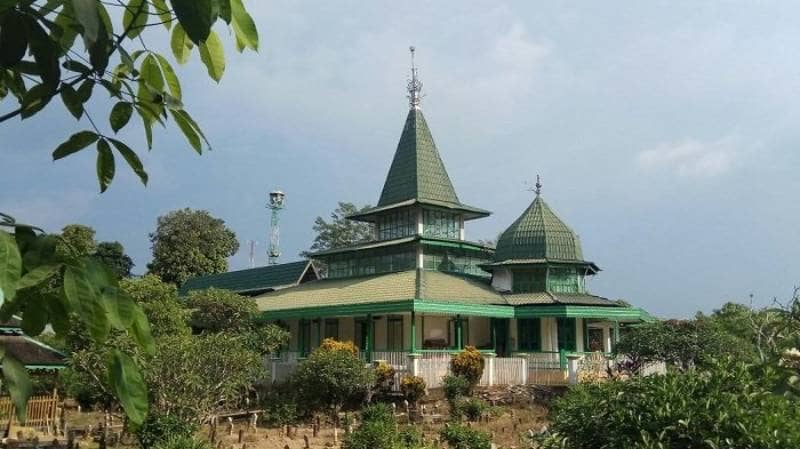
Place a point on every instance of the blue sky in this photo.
(665, 133)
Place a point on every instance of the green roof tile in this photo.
(539, 234)
(251, 280)
(417, 171)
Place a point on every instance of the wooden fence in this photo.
(42, 411)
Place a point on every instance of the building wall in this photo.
(502, 280)
(347, 329)
(435, 327)
(513, 339)
(479, 333)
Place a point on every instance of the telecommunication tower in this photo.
(276, 201)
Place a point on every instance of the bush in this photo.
(455, 387)
(183, 442)
(280, 404)
(413, 388)
(378, 413)
(329, 344)
(459, 436)
(331, 377)
(384, 377)
(411, 438)
(159, 429)
(469, 365)
(470, 408)
(373, 435)
(729, 406)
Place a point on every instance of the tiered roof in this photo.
(254, 281)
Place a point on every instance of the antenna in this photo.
(276, 203)
(414, 84)
(537, 188)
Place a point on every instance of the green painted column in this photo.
(413, 332)
(319, 332)
(301, 325)
(616, 335)
(370, 337)
(459, 343)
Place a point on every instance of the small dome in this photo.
(538, 234)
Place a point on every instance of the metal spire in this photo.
(538, 186)
(414, 85)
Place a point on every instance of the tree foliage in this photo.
(89, 297)
(339, 231)
(41, 58)
(469, 365)
(112, 254)
(188, 243)
(729, 405)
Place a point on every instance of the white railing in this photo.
(433, 366)
(510, 371)
(282, 370)
(394, 358)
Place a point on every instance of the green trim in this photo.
(339, 310)
(452, 308)
(460, 244)
(570, 311)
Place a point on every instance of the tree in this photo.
(112, 254)
(112, 57)
(188, 243)
(339, 231)
(79, 239)
(330, 377)
(159, 301)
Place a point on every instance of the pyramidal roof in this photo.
(417, 171)
(537, 235)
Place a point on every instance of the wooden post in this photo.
(241, 435)
(230, 426)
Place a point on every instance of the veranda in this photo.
(540, 350)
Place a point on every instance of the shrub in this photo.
(158, 429)
(378, 413)
(729, 406)
(411, 437)
(455, 387)
(469, 365)
(413, 388)
(373, 435)
(280, 404)
(470, 408)
(183, 442)
(384, 377)
(459, 436)
(331, 377)
(329, 344)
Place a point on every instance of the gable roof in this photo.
(253, 280)
(30, 352)
(417, 174)
(539, 234)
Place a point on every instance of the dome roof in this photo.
(538, 234)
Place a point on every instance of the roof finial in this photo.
(414, 84)
(538, 186)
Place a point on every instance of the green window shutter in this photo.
(566, 334)
(529, 333)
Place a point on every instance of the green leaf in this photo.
(129, 386)
(243, 26)
(196, 17)
(126, 59)
(75, 143)
(10, 265)
(188, 130)
(37, 275)
(163, 12)
(132, 159)
(82, 298)
(35, 99)
(170, 77)
(105, 164)
(120, 115)
(40, 251)
(224, 8)
(13, 40)
(67, 28)
(119, 306)
(44, 51)
(72, 101)
(213, 56)
(135, 17)
(87, 15)
(19, 385)
(34, 317)
(140, 328)
(75, 66)
(85, 90)
(180, 44)
(150, 72)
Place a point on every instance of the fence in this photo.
(433, 367)
(42, 411)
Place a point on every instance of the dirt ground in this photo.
(508, 424)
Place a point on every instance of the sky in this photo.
(665, 134)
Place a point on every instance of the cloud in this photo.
(692, 158)
(51, 211)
